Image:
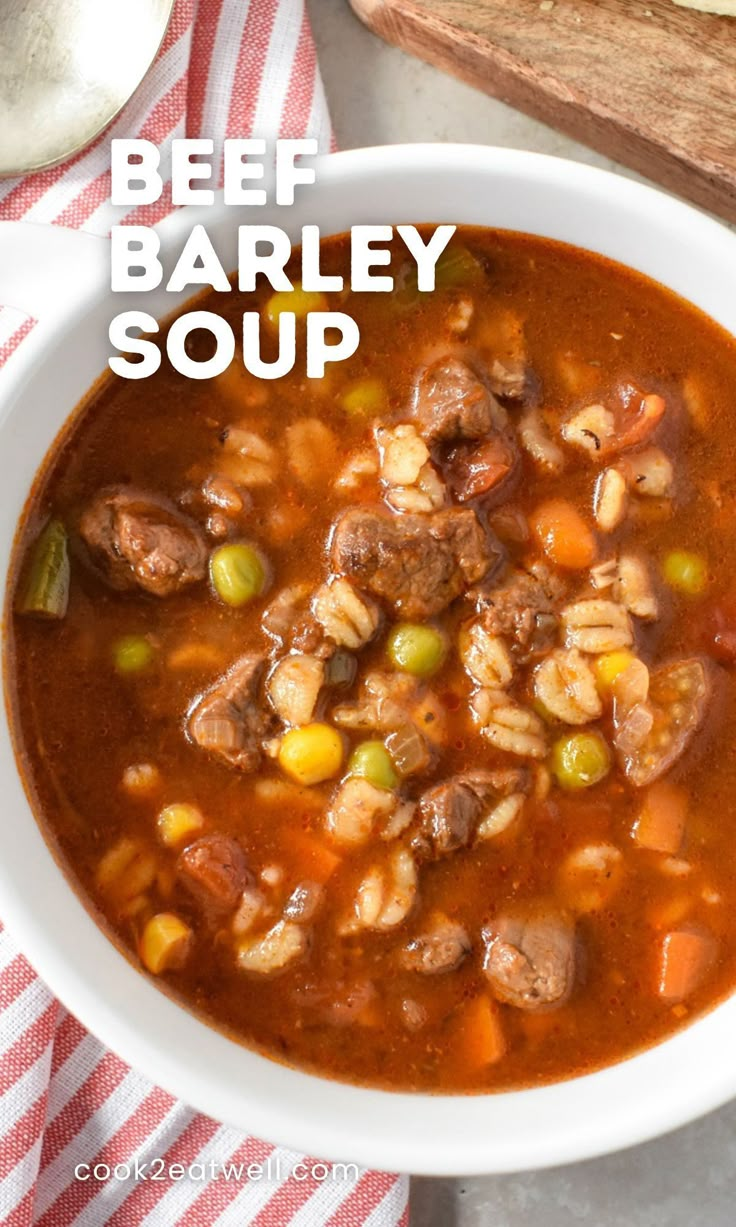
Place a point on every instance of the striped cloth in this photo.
(226, 68)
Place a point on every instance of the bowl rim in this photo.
(427, 1134)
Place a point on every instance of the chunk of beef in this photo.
(523, 607)
(214, 871)
(229, 720)
(418, 563)
(309, 637)
(355, 1003)
(441, 947)
(142, 541)
(452, 401)
(344, 1004)
(530, 960)
(450, 812)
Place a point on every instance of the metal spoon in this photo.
(66, 68)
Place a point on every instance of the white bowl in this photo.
(61, 277)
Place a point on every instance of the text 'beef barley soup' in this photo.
(387, 720)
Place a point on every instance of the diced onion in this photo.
(408, 749)
(635, 729)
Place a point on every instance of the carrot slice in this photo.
(686, 955)
(661, 823)
(480, 1034)
(665, 913)
(564, 535)
(317, 861)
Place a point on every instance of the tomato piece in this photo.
(719, 631)
(627, 417)
(477, 470)
(640, 417)
(676, 706)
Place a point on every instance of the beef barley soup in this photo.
(387, 720)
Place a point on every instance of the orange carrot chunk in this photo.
(317, 860)
(564, 535)
(480, 1034)
(686, 956)
(661, 823)
(663, 914)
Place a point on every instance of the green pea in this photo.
(686, 572)
(416, 649)
(580, 760)
(238, 574)
(372, 761)
(132, 654)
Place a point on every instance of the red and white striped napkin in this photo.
(226, 68)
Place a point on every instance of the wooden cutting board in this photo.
(643, 81)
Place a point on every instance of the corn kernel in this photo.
(298, 300)
(165, 943)
(312, 753)
(685, 572)
(608, 667)
(177, 822)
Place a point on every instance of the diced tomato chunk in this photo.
(719, 631)
(641, 416)
(477, 470)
